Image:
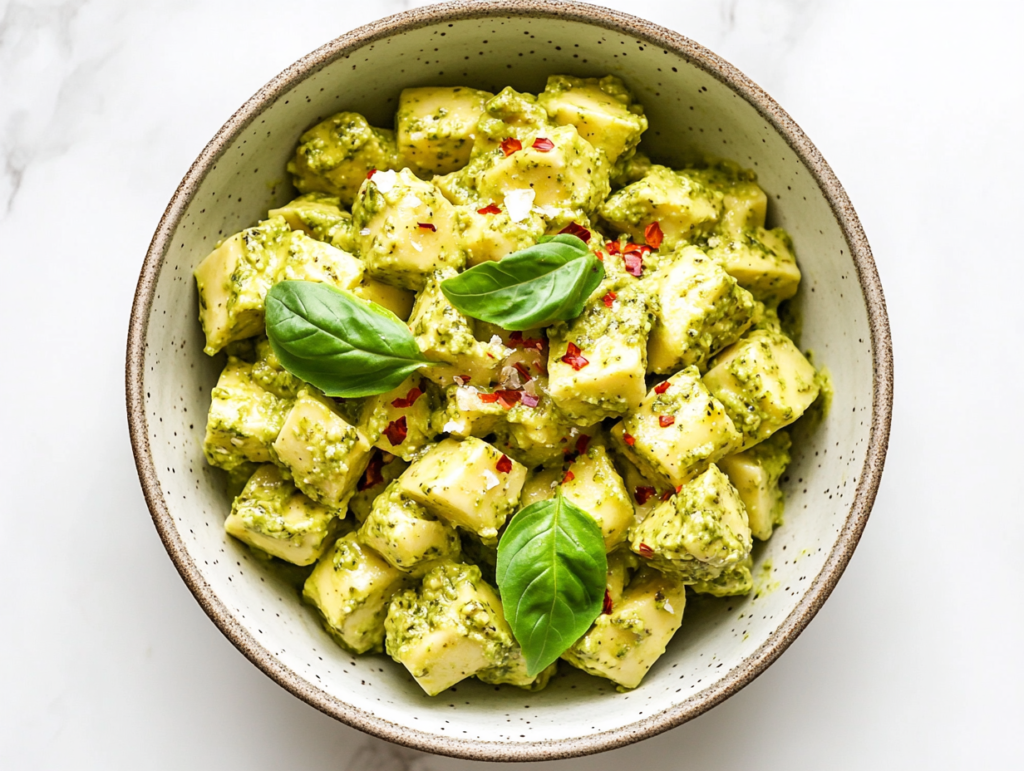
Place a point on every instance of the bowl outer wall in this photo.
(867, 479)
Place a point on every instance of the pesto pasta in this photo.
(649, 412)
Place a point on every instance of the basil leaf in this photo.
(531, 288)
(551, 574)
(341, 344)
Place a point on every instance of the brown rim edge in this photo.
(871, 472)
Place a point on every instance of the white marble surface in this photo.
(107, 662)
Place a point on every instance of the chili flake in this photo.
(629, 439)
(613, 247)
(634, 263)
(661, 387)
(370, 173)
(653, 235)
(522, 370)
(491, 208)
(488, 398)
(645, 551)
(373, 475)
(608, 299)
(510, 145)
(530, 400)
(396, 431)
(409, 399)
(569, 476)
(582, 443)
(606, 608)
(504, 464)
(666, 420)
(508, 398)
(543, 144)
(643, 494)
(573, 357)
(666, 495)
(427, 226)
(579, 231)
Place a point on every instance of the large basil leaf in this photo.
(343, 345)
(540, 285)
(551, 574)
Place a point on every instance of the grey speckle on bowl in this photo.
(696, 103)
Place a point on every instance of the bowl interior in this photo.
(691, 112)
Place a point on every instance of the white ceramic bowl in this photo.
(696, 102)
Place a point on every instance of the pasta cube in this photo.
(699, 533)
(335, 155)
(467, 482)
(234, 279)
(596, 487)
(406, 229)
(320, 216)
(677, 430)
(351, 587)
(700, 310)
(761, 261)
(398, 301)
(324, 453)
(755, 474)
(763, 382)
(436, 127)
(273, 516)
(624, 644)
(244, 419)
(602, 110)
(407, 535)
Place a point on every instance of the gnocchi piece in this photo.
(351, 587)
(763, 382)
(467, 482)
(436, 127)
(760, 260)
(320, 216)
(407, 535)
(699, 533)
(273, 516)
(335, 155)
(755, 474)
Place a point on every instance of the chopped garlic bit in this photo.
(667, 606)
(453, 425)
(466, 398)
(385, 180)
(518, 204)
(411, 201)
(416, 246)
(547, 211)
(364, 232)
(492, 481)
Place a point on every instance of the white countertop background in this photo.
(106, 660)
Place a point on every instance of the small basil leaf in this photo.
(551, 574)
(537, 286)
(339, 343)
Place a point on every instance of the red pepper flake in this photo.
(572, 229)
(599, 255)
(634, 263)
(613, 247)
(488, 398)
(396, 431)
(629, 439)
(569, 476)
(491, 208)
(573, 357)
(370, 173)
(582, 443)
(666, 420)
(427, 226)
(645, 551)
(508, 398)
(679, 488)
(643, 494)
(530, 400)
(409, 400)
(504, 464)
(522, 370)
(543, 144)
(373, 475)
(516, 341)
(661, 387)
(510, 145)
(666, 495)
(606, 608)
(608, 299)
(653, 235)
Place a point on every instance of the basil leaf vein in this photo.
(531, 288)
(551, 574)
(337, 342)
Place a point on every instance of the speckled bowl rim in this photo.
(869, 478)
